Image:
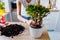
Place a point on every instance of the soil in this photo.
(37, 27)
(12, 30)
(0, 28)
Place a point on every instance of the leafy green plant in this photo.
(37, 12)
(2, 5)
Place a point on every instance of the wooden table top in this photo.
(26, 35)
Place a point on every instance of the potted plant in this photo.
(37, 13)
(2, 8)
(2, 12)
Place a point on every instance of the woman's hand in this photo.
(31, 23)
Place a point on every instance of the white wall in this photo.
(7, 5)
(58, 23)
(58, 4)
(44, 2)
(52, 21)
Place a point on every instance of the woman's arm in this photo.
(19, 12)
(18, 7)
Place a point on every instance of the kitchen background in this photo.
(52, 21)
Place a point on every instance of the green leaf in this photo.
(2, 5)
(34, 10)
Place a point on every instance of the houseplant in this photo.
(2, 13)
(37, 13)
(2, 8)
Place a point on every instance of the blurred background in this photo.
(52, 21)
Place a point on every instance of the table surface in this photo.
(26, 35)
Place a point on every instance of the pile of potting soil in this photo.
(12, 30)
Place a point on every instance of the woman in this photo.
(22, 15)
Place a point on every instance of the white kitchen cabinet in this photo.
(7, 5)
(51, 20)
(58, 24)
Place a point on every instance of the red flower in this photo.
(3, 21)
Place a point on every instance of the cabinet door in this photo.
(44, 2)
(51, 20)
(58, 23)
(58, 4)
(7, 5)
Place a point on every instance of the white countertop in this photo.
(54, 35)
